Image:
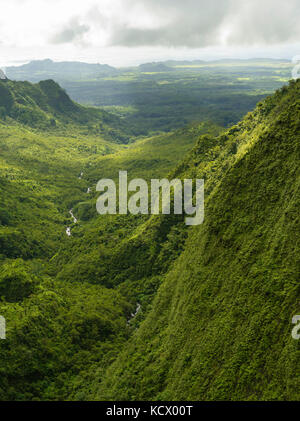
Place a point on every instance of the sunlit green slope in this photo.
(220, 325)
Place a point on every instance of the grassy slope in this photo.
(220, 324)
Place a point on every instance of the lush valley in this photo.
(216, 300)
(165, 96)
(55, 295)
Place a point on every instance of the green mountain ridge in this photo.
(220, 324)
(46, 106)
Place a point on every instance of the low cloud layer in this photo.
(202, 23)
(115, 30)
(73, 32)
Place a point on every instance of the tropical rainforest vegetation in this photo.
(215, 302)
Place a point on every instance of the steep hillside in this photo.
(46, 106)
(220, 324)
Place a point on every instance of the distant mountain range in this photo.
(155, 67)
(38, 70)
(47, 69)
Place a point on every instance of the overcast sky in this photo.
(125, 32)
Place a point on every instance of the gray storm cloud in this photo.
(72, 32)
(201, 23)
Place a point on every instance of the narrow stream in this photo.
(75, 220)
(133, 315)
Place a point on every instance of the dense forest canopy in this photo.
(144, 307)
